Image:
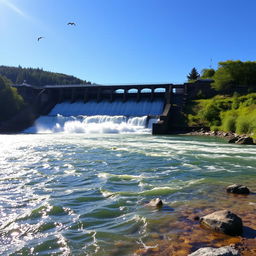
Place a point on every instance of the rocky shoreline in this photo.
(221, 232)
(229, 136)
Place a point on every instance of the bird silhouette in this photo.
(72, 23)
(39, 38)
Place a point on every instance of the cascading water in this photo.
(99, 117)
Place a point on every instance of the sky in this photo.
(126, 41)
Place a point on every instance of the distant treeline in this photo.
(37, 76)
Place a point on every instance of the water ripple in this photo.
(82, 194)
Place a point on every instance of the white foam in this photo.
(120, 176)
(98, 118)
(89, 124)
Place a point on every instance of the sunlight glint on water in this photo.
(83, 193)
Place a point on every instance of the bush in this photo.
(211, 114)
(236, 103)
(243, 125)
(235, 114)
(214, 128)
(229, 122)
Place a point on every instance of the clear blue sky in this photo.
(126, 41)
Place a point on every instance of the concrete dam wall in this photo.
(156, 104)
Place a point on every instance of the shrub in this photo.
(246, 121)
(236, 114)
(229, 121)
(243, 125)
(211, 114)
(215, 128)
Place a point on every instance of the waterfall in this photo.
(99, 117)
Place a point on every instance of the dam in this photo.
(107, 108)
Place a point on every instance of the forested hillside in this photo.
(36, 76)
(10, 101)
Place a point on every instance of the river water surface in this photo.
(87, 194)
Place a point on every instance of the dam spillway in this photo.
(91, 108)
(100, 117)
(161, 102)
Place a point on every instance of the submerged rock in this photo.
(222, 251)
(238, 189)
(156, 202)
(223, 221)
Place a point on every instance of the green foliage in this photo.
(214, 128)
(246, 121)
(10, 101)
(235, 114)
(207, 73)
(229, 121)
(235, 75)
(222, 80)
(211, 114)
(235, 103)
(243, 125)
(193, 75)
(37, 77)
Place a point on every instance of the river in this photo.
(87, 194)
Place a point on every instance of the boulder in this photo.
(238, 189)
(223, 221)
(222, 251)
(233, 139)
(156, 202)
(245, 140)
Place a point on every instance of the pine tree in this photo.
(193, 75)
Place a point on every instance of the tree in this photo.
(207, 73)
(233, 74)
(10, 101)
(193, 75)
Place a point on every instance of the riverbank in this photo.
(223, 113)
(230, 137)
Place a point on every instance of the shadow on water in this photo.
(166, 208)
(249, 233)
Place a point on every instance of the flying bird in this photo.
(72, 23)
(39, 38)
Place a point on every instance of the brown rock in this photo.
(156, 202)
(223, 221)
